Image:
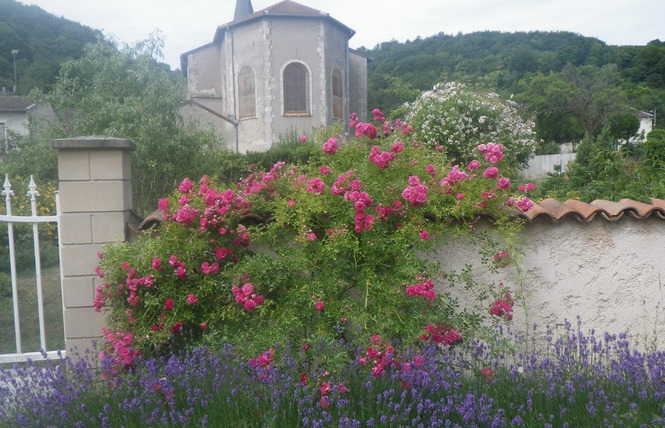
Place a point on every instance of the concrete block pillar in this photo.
(95, 203)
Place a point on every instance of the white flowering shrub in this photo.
(452, 118)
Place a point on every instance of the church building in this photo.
(286, 68)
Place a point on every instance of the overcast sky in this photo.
(188, 24)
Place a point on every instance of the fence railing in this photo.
(35, 220)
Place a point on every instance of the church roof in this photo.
(286, 8)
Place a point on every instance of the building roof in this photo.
(283, 9)
(14, 103)
(551, 209)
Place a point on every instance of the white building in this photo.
(286, 67)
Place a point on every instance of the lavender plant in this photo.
(573, 379)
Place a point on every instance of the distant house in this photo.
(15, 113)
(286, 67)
(646, 123)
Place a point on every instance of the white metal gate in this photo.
(35, 220)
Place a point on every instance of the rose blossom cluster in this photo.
(424, 289)
(122, 352)
(501, 258)
(246, 297)
(385, 211)
(454, 177)
(343, 184)
(318, 303)
(415, 192)
(491, 172)
(378, 115)
(330, 147)
(179, 267)
(361, 202)
(325, 389)
(503, 307)
(441, 334)
(367, 130)
(379, 158)
(210, 268)
(380, 354)
(493, 152)
(263, 364)
(264, 360)
(526, 187)
(131, 284)
(316, 186)
(503, 184)
(524, 204)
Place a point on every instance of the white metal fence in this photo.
(35, 220)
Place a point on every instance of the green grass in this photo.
(27, 295)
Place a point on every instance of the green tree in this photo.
(126, 93)
(624, 125)
(593, 95)
(546, 97)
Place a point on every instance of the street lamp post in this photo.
(14, 52)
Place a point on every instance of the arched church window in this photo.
(246, 93)
(337, 94)
(296, 89)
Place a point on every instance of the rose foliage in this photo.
(326, 250)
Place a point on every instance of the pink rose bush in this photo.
(318, 250)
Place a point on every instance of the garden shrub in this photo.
(300, 253)
(457, 119)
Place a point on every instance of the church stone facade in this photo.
(285, 68)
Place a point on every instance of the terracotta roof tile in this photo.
(556, 211)
(659, 203)
(548, 209)
(612, 211)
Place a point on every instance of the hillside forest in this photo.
(43, 42)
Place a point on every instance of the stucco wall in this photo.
(203, 79)
(611, 274)
(16, 122)
(267, 45)
(250, 44)
(194, 115)
(358, 85)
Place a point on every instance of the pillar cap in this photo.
(93, 142)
